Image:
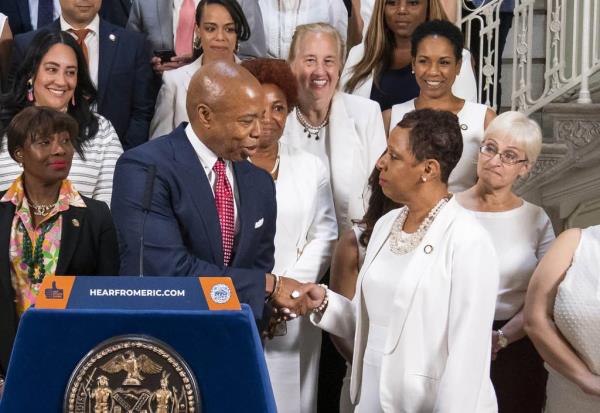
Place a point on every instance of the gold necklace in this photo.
(42, 209)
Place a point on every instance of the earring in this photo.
(423, 179)
(237, 47)
(412, 71)
(196, 43)
(73, 100)
(30, 90)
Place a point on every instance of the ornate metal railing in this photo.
(572, 51)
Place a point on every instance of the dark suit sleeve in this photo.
(108, 249)
(144, 95)
(165, 249)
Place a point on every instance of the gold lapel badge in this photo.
(75, 222)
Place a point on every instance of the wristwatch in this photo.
(502, 340)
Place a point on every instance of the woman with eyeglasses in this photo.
(436, 60)
(521, 233)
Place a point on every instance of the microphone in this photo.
(146, 204)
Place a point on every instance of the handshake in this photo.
(290, 299)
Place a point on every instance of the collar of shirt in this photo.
(67, 195)
(93, 27)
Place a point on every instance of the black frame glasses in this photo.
(490, 151)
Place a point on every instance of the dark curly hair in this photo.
(379, 205)
(15, 100)
(434, 134)
(278, 73)
(440, 28)
(35, 122)
(242, 28)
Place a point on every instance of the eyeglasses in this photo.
(506, 157)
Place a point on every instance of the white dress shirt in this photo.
(281, 17)
(33, 12)
(92, 41)
(176, 8)
(207, 159)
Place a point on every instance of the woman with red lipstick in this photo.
(46, 226)
(522, 233)
(220, 26)
(436, 60)
(306, 231)
(420, 316)
(345, 131)
(382, 71)
(54, 74)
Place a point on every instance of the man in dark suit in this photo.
(119, 65)
(25, 18)
(202, 209)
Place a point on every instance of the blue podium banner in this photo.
(138, 293)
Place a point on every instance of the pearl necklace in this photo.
(402, 243)
(310, 130)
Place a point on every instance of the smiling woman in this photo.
(54, 74)
(436, 61)
(46, 226)
(345, 131)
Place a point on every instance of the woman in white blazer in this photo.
(427, 289)
(306, 232)
(345, 131)
(388, 57)
(220, 26)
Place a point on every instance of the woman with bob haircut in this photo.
(46, 226)
(521, 233)
(306, 232)
(421, 313)
(382, 71)
(54, 73)
(220, 26)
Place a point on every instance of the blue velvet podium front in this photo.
(222, 348)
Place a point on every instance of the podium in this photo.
(219, 349)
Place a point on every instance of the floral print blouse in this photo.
(25, 290)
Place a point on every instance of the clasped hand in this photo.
(294, 298)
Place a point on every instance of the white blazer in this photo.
(464, 86)
(437, 352)
(354, 141)
(170, 108)
(306, 231)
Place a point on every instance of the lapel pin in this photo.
(464, 126)
(428, 249)
(112, 37)
(75, 222)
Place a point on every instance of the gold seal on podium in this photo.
(132, 373)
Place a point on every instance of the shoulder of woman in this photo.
(357, 105)
(95, 207)
(355, 54)
(106, 131)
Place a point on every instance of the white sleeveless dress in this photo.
(577, 316)
(472, 120)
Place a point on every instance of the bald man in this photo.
(203, 210)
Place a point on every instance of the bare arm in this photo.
(387, 118)
(489, 116)
(539, 305)
(344, 272)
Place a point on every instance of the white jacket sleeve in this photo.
(339, 317)
(164, 113)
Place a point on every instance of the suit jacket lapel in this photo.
(72, 220)
(245, 190)
(190, 170)
(107, 49)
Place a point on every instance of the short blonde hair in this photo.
(303, 29)
(520, 129)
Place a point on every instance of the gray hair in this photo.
(523, 131)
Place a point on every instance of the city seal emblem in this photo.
(220, 293)
(132, 373)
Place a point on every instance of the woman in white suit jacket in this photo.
(345, 131)
(220, 25)
(426, 289)
(306, 232)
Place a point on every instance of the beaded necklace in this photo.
(310, 130)
(34, 256)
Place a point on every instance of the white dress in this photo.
(306, 231)
(92, 176)
(577, 316)
(378, 289)
(472, 120)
